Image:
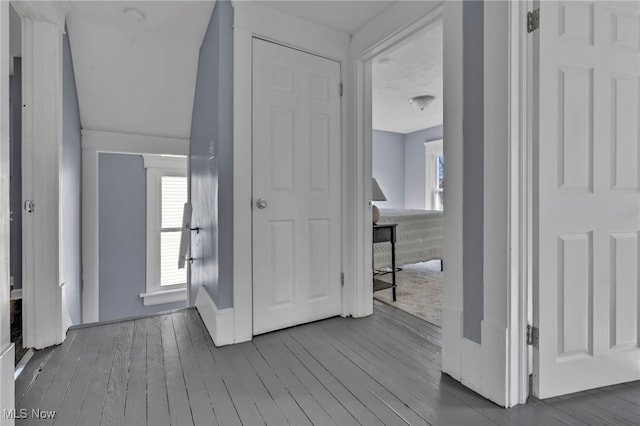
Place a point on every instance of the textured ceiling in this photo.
(137, 76)
(412, 69)
(345, 15)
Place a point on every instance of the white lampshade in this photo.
(377, 194)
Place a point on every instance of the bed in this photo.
(418, 237)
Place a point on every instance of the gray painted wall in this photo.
(414, 188)
(70, 193)
(473, 162)
(211, 162)
(399, 166)
(389, 167)
(122, 237)
(15, 171)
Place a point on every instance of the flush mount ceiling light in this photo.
(134, 14)
(421, 102)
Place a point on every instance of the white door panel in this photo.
(588, 207)
(296, 171)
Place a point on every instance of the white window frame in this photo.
(432, 150)
(156, 167)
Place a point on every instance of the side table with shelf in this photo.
(386, 233)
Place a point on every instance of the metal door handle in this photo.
(261, 203)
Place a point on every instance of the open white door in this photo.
(296, 187)
(586, 195)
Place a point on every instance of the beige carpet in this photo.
(419, 291)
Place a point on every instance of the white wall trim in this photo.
(7, 381)
(164, 296)
(253, 19)
(520, 205)
(497, 369)
(219, 322)
(7, 355)
(93, 143)
(125, 143)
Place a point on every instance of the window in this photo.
(438, 191)
(434, 175)
(166, 195)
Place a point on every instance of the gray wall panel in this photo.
(211, 162)
(123, 238)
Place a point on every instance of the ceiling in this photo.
(15, 36)
(137, 76)
(412, 69)
(345, 15)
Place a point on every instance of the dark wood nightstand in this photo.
(386, 233)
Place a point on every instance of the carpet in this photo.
(418, 291)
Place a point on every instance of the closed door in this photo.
(587, 216)
(296, 187)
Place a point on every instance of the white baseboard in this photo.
(451, 340)
(7, 388)
(484, 367)
(219, 322)
(480, 367)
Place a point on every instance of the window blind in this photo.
(173, 196)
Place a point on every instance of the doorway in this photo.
(15, 181)
(407, 123)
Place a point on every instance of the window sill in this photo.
(164, 296)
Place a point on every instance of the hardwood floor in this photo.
(380, 370)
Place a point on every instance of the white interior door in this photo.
(587, 216)
(296, 187)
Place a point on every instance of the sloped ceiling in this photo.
(136, 63)
(412, 69)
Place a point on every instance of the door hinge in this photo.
(342, 279)
(533, 20)
(532, 335)
(341, 89)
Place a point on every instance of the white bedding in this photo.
(418, 237)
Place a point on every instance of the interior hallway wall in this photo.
(70, 193)
(122, 202)
(211, 162)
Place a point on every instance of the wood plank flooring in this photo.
(380, 370)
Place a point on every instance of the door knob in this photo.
(261, 203)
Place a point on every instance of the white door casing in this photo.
(296, 171)
(586, 200)
(41, 159)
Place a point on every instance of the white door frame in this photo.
(7, 349)
(42, 31)
(507, 381)
(254, 19)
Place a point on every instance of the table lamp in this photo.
(376, 195)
